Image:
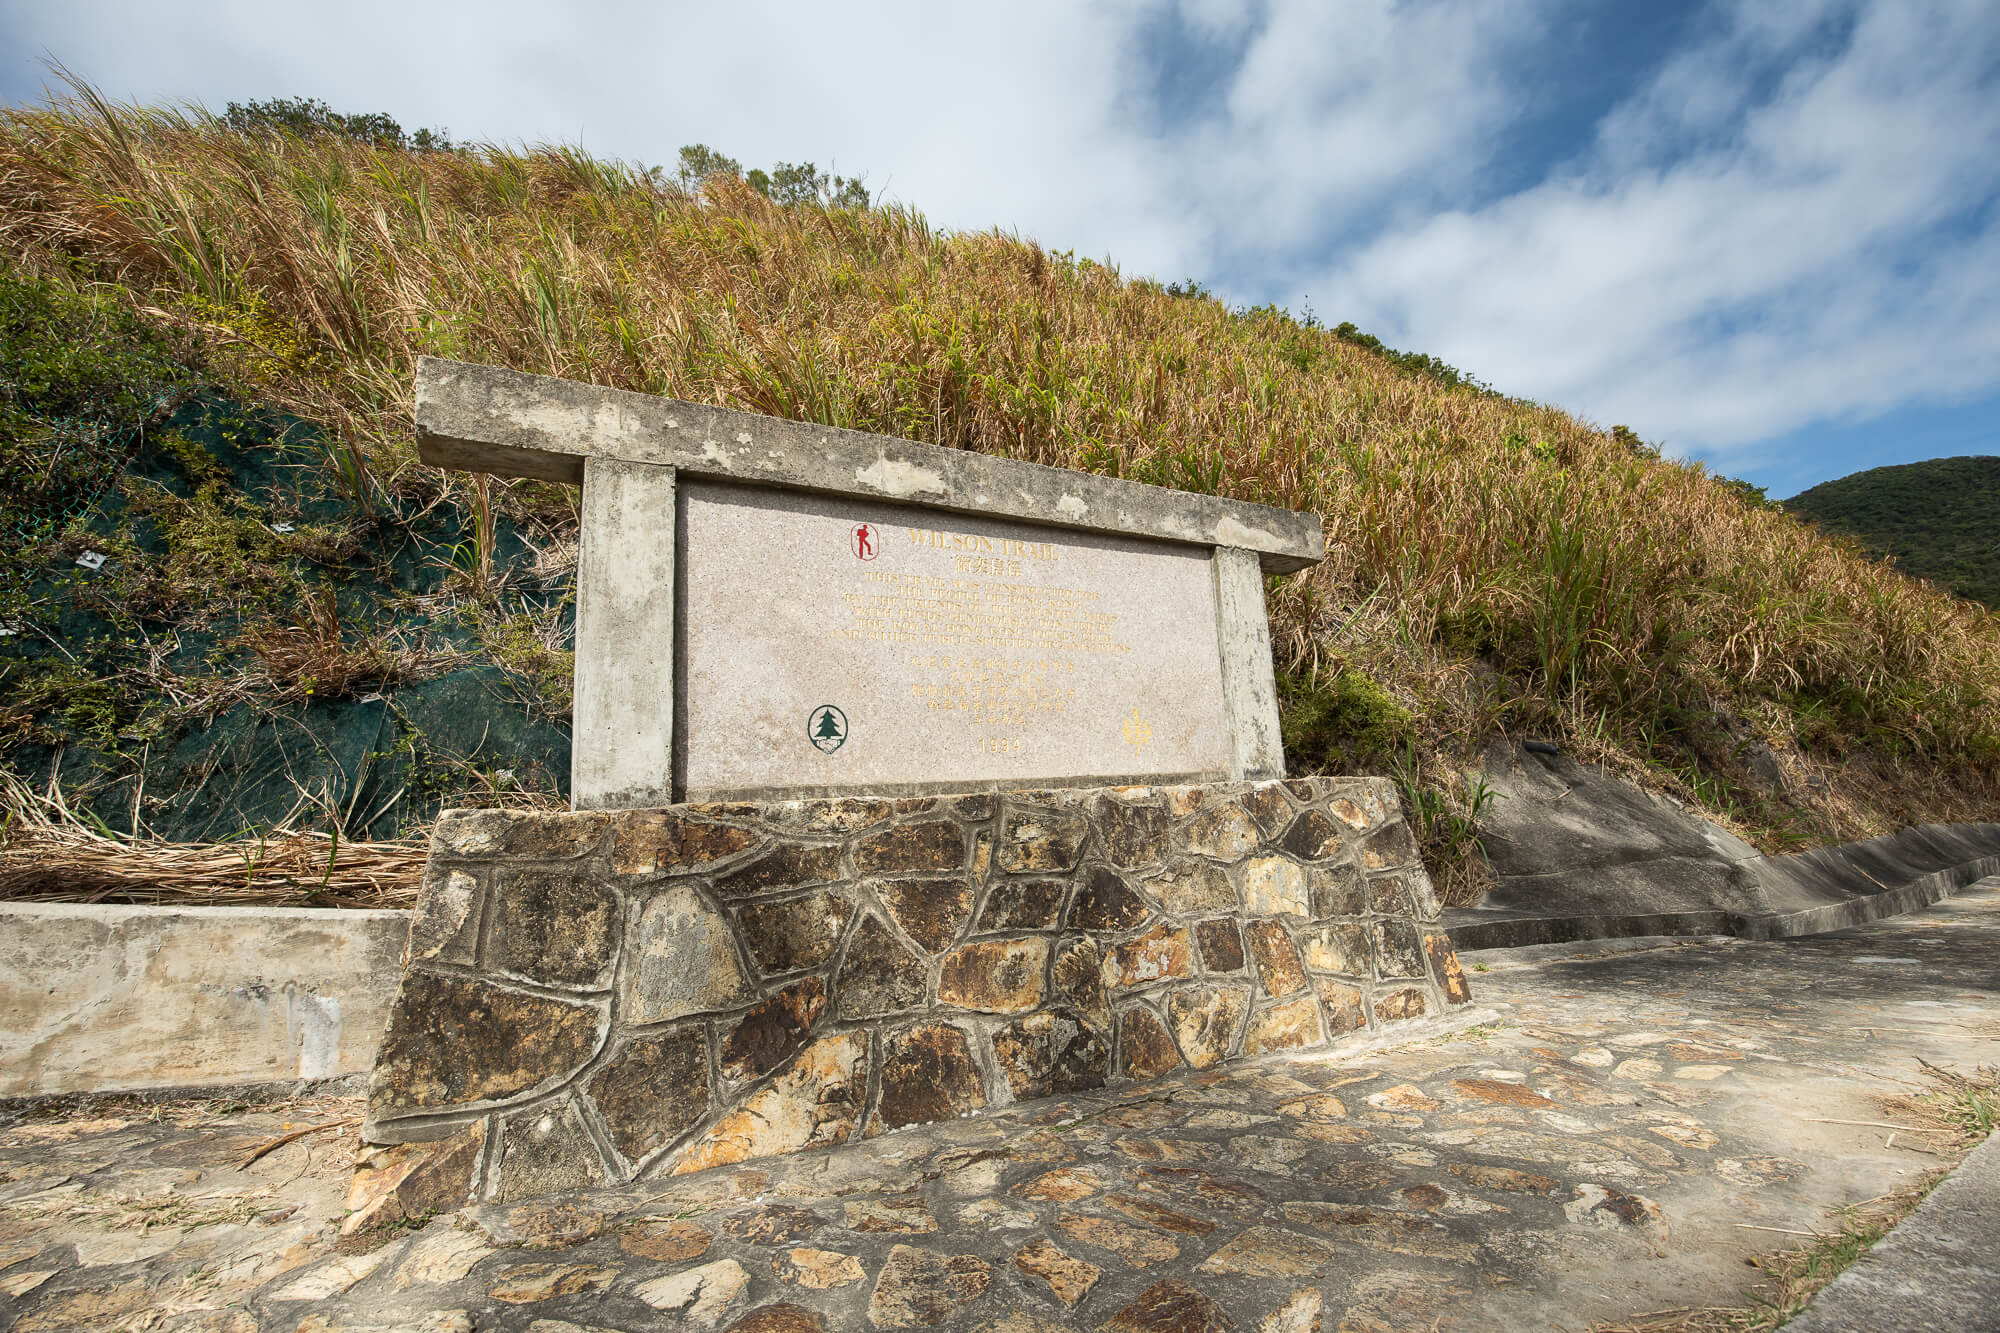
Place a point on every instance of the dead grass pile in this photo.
(49, 853)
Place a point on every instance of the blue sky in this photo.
(1763, 233)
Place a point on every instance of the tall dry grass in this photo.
(1499, 564)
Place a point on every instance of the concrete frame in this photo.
(625, 449)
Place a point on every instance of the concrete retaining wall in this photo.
(106, 998)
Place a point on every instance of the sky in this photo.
(1761, 233)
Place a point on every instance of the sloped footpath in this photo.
(1623, 1131)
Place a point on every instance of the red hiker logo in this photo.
(864, 541)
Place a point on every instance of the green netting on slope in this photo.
(141, 679)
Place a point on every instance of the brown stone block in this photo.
(1304, 790)
(547, 1151)
(767, 1036)
(1341, 947)
(773, 1224)
(843, 814)
(1397, 950)
(995, 976)
(555, 927)
(1445, 968)
(1337, 890)
(789, 865)
(1191, 886)
(1051, 1052)
(1221, 944)
(668, 1242)
(814, 1103)
(1144, 1048)
(973, 809)
(1396, 1005)
(1170, 1306)
(1386, 895)
(453, 1041)
(1068, 1280)
(922, 1289)
(1283, 1027)
(798, 933)
(1222, 830)
(879, 975)
(1076, 980)
(785, 1317)
(446, 925)
(1206, 1020)
(934, 845)
(1275, 886)
(1312, 837)
(1041, 840)
(1023, 904)
(1160, 953)
(932, 911)
(928, 1074)
(1389, 848)
(413, 1179)
(1134, 836)
(1104, 901)
(646, 841)
(1267, 807)
(681, 959)
(653, 1091)
(1278, 965)
(1349, 812)
(518, 834)
(1342, 1005)
(1184, 801)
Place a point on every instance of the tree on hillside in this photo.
(305, 117)
(785, 183)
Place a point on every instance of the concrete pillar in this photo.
(622, 724)
(1249, 685)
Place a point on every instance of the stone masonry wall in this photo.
(595, 997)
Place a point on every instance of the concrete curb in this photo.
(1939, 1269)
(111, 997)
(1880, 877)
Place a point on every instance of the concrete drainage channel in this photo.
(1848, 885)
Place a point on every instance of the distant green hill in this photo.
(1939, 519)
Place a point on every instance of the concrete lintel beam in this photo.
(487, 419)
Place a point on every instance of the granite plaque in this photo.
(831, 644)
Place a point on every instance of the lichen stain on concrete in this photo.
(1072, 507)
(1229, 532)
(893, 476)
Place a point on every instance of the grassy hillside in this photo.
(1939, 520)
(1495, 567)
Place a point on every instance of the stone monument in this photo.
(907, 781)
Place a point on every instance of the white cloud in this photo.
(1828, 252)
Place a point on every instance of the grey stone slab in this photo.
(487, 419)
(834, 644)
(622, 717)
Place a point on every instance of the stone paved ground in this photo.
(1627, 1130)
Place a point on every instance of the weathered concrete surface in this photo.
(99, 998)
(622, 718)
(963, 653)
(1617, 1143)
(486, 419)
(1249, 683)
(1940, 1269)
(1579, 854)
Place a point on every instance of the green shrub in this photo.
(1343, 723)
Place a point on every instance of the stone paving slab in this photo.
(1619, 1139)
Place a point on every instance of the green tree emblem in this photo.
(827, 728)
